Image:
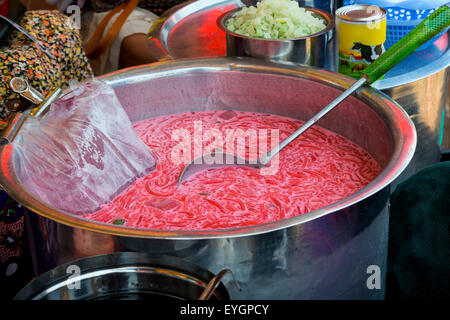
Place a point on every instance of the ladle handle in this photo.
(430, 27)
(265, 159)
(426, 30)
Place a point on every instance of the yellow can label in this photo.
(359, 45)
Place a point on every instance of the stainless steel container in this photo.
(123, 276)
(419, 83)
(310, 50)
(190, 30)
(325, 254)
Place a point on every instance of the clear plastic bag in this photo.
(83, 152)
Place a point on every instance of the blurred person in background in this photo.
(114, 31)
(129, 45)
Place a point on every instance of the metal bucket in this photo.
(123, 276)
(420, 84)
(324, 254)
(310, 50)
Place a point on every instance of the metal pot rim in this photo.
(404, 147)
(95, 267)
(325, 15)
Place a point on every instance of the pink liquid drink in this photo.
(317, 169)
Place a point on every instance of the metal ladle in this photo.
(429, 28)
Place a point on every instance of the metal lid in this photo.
(361, 13)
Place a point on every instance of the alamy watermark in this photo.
(374, 280)
(375, 11)
(74, 13)
(73, 281)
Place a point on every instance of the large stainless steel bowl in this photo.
(325, 253)
(310, 50)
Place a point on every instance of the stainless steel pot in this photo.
(123, 276)
(310, 50)
(326, 253)
(419, 83)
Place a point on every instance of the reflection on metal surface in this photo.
(420, 85)
(12, 129)
(22, 87)
(309, 50)
(425, 101)
(124, 275)
(26, 91)
(190, 31)
(406, 83)
(380, 130)
(322, 254)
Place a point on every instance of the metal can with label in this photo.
(362, 34)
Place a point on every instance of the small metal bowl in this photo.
(310, 50)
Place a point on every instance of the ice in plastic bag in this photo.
(83, 152)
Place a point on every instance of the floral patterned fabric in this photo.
(22, 58)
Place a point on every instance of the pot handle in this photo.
(22, 87)
(212, 285)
